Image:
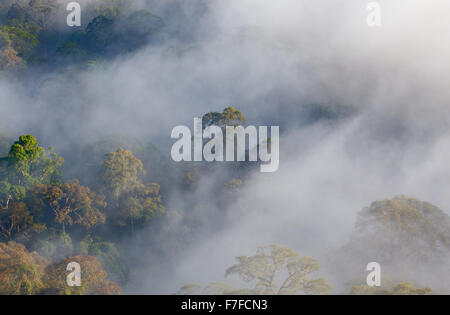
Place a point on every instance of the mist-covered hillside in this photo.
(87, 176)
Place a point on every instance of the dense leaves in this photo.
(401, 229)
(21, 272)
(24, 272)
(269, 261)
(30, 33)
(229, 117)
(67, 204)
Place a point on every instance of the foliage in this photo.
(21, 272)
(108, 255)
(24, 272)
(30, 34)
(111, 8)
(28, 163)
(269, 261)
(93, 278)
(41, 11)
(23, 38)
(119, 172)
(67, 204)
(9, 58)
(131, 202)
(16, 222)
(53, 244)
(100, 33)
(402, 227)
(229, 117)
(264, 269)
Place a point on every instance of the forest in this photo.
(83, 179)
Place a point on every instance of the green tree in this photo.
(41, 11)
(269, 262)
(108, 255)
(100, 33)
(9, 57)
(94, 278)
(53, 244)
(119, 173)
(229, 117)
(23, 38)
(16, 222)
(112, 8)
(28, 163)
(139, 205)
(399, 230)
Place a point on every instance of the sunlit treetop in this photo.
(229, 117)
(28, 163)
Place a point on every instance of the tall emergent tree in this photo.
(269, 262)
(67, 204)
(130, 201)
(21, 272)
(270, 265)
(28, 163)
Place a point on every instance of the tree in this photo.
(28, 163)
(401, 230)
(53, 244)
(23, 156)
(408, 237)
(68, 204)
(23, 38)
(407, 288)
(269, 261)
(16, 221)
(229, 117)
(108, 255)
(139, 206)
(112, 8)
(93, 278)
(119, 173)
(41, 11)
(264, 269)
(21, 272)
(24, 272)
(9, 59)
(131, 202)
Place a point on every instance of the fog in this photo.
(388, 133)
